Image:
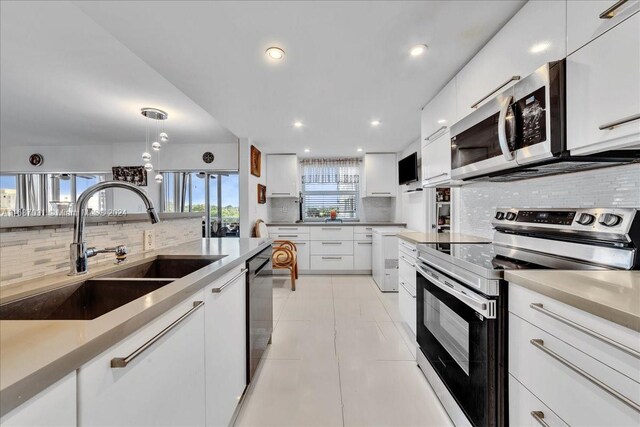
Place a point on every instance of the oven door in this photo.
(484, 141)
(457, 333)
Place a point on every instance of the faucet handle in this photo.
(121, 253)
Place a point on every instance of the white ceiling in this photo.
(347, 63)
(66, 81)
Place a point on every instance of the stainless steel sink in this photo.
(95, 297)
(82, 301)
(165, 267)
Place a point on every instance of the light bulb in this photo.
(148, 167)
(159, 178)
(164, 137)
(275, 53)
(418, 50)
(156, 146)
(146, 157)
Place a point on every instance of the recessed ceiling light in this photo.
(540, 47)
(275, 53)
(297, 124)
(418, 50)
(375, 123)
(306, 150)
(441, 121)
(360, 149)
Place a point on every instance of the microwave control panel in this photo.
(532, 112)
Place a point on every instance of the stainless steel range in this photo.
(462, 297)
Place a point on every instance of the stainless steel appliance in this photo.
(462, 297)
(521, 133)
(259, 308)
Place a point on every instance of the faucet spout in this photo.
(79, 253)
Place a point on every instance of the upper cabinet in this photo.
(534, 36)
(603, 91)
(380, 175)
(282, 175)
(439, 114)
(587, 20)
(436, 161)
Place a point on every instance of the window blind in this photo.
(329, 184)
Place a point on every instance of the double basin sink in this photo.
(94, 297)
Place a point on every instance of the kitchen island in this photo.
(35, 354)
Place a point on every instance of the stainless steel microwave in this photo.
(521, 133)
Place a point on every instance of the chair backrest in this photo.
(261, 229)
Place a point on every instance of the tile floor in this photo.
(341, 356)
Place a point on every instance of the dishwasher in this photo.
(259, 308)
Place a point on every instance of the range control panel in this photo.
(546, 217)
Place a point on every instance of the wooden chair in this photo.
(285, 252)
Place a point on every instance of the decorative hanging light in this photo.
(146, 157)
(156, 146)
(164, 137)
(158, 115)
(159, 178)
(148, 167)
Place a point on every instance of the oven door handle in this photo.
(502, 129)
(485, 307)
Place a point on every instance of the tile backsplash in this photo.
(32, 252)
(371, 209)
(616, 186)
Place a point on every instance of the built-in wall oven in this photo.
(458, 334)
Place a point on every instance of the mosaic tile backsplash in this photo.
(33, 252)
(616, 186)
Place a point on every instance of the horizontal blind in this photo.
(328, 186)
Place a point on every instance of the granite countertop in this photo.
(346, 223)
(612, 295)
(36, 353)
(416, 237)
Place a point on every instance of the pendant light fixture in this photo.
(157, 115)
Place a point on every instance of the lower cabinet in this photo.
(153, 377)
(362, 255)
(54, 406)
(527, 410)
(331, 262)
(407, 305)
(225, 346)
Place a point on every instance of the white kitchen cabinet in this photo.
(525, 409)
(331, 262)
(163, 382)
(436, 161)
(302, 255)
(603, 87)
(534, 36)
(439, 114)
(332, 247)
(54, 406)
(362, 254)
(282, 175)
(225, 346)
(380, 175)
(407, 305)
(585, 24)
(299, 235)
(331, 232)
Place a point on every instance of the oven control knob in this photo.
(585, 219)
(499, 215)
(610, 220)
(511, 216)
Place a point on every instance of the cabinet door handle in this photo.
(540, 308)
(411, 248)
(288, 228)
(611, 125)
(331, 257)
(539, 417)
(539, 344)
(436, 176)
(284, 194)
(513, 78)
(364, 243)
(287, 235)
(230, 281)
(610, 13)
(380, 192)
(404, 285)
(435, 133)
(122, 362)
(332, 243)
(331, 228)
(407, 261)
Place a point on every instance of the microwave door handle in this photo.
(502, 129)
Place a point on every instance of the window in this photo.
(330, 184)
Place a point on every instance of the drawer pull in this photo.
(513, 78)
(435, 133)
(411, 248)
(331, 228)
(436, 176)
(539, 417)
(288, 228)
(540, 307)
(332, 243)
(404, 285)
(283, 194)
(364, 243)
(380, 192)
(539, 344)
(331, 257)
(122, 362)
(233, 279)
(287, 235)
(611, 125)
(611, 12)
(407, 261)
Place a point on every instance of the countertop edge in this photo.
(612, 314)
(327, 224)
(19, 392)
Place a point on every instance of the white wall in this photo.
(250, 210)
(412, 207)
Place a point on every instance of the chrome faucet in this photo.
(79, 252)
